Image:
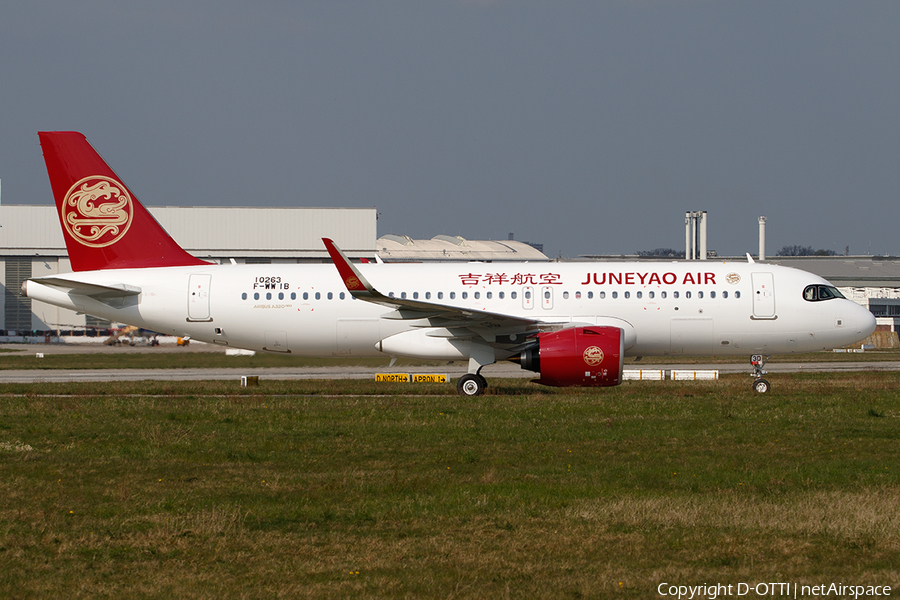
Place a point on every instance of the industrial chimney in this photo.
(695, 235)
(762, 238)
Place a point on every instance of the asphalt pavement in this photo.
(453, 370)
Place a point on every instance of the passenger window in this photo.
(268, 295)
(675, 294)
(662, 295)
(602, 295)
(440, 295)
(528, 295)
(577, 295)
(700, 294)
(293, 295)
(737, 294)
(465, 295)
(244, 296)
(281, 295)
(318, 295)
(513, 295)
(306, 295)
(342, 295)
(477, 295)
(615, 294)
(256, 295)
(725, 294)
(712, 294)
(488, 295)
(627, 295)
(641, 295)
(565, 295)
(652, 295)
(330, 296)
(687, 294)
(415, 295)
(501, 295)
(453, 295)
(403, 295)
(590, 295)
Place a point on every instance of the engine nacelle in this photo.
(579, 356)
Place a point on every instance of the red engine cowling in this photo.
(580, 356)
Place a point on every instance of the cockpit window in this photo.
(816, 293)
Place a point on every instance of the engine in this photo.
(579, 356)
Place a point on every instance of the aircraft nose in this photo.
(863, 321)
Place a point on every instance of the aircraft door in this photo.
(528, 297)
(763, 296)
(547, 297)
(198, 297)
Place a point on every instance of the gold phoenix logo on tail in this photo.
(97, 211)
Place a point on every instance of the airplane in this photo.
(573, 323)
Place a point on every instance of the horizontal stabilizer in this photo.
(92, 290)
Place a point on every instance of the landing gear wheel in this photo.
(471, 385)
(761, 386)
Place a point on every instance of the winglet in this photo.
(750, 259)
(356, 284)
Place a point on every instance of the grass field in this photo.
(315, 489)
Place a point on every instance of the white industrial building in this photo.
(32, 245)
(401, 248)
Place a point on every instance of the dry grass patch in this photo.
(849, 517)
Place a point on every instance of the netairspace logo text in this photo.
(771, 590)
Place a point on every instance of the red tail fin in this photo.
(103, 223)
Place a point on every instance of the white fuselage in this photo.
(665, 308)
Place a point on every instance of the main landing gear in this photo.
(471, 384)
(760, 385)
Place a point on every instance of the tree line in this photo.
(785, 251)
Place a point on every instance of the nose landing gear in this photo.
(760, 385)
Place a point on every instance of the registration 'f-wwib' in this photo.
(571, 322)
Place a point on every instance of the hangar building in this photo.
(31, 245)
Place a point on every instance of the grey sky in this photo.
(588, 126)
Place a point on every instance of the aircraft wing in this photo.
(438, 315)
